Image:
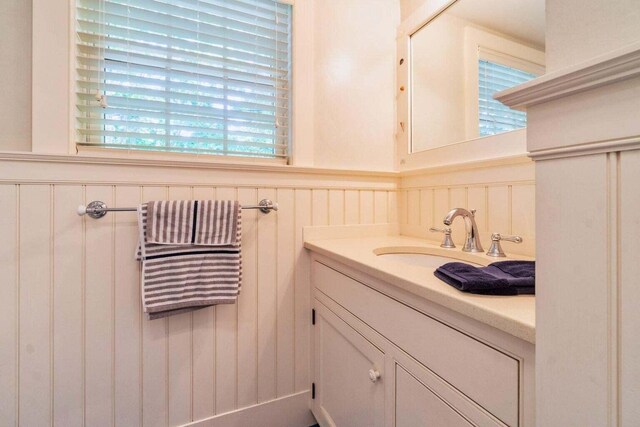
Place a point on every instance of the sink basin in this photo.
(429, 257)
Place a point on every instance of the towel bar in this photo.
(98, 209)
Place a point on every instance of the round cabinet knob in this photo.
(373, 375)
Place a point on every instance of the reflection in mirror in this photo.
(461, 58)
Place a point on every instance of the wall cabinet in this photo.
(383, 357)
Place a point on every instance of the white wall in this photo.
(355, 83)
(407, 7)
(15, 75)
(578, 30)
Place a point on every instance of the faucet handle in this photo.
(447, 242)
(496, 249)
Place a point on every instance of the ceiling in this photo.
(521, 19)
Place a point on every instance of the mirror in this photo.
(464, 55)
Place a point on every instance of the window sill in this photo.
(208, 159)
(114, 157)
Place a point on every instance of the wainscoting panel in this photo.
(75, 347)
(503, 196)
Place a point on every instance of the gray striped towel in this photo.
(180, 278)
(196, 222)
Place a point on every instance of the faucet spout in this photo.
(472, 242)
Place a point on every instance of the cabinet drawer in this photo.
(484, 374)
(417, 406)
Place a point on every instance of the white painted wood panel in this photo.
(267, 288)
(247, 304)
(226, 341)
(74, 335)
(413, 207)
(302, 292)
(155, 349)
(351, 207)
(381, 203)
(285, 294)
(34, 304)
(336, 207)
(572, 340)
(629, 291)
(68, 309)
(128, 311)
(9, 294)
(367, 208)
(98, 312)
(320, 203)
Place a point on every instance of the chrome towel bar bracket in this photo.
(98, 209)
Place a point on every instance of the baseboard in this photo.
(288, 411)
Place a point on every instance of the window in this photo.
(194, 76)
(494, 116)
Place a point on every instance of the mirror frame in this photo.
(484, 149)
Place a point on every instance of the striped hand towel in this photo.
(195, 222)
(179, 278)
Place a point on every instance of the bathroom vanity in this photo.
(394, 346)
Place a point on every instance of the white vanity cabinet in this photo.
(385, 357)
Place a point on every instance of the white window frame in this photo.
(53, 60)
(480, 44)
(118, 152)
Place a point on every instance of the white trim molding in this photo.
(603, 70)
(291, 410)
(596, 147)
(168, 161)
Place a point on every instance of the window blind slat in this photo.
(134, 74)
(495, 117)
(184, 62)
(235, 138)
(90, 40)
(247, 19)
(146, 127)
(219, 150)
(204, 92)
(150, 119)
(160, 106)
(165, 24)
(200, 76)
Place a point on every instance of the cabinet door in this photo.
(417, 406)
(349, 377)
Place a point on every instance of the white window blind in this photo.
(494, 116)
(196, 76)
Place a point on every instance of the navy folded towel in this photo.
(499, 278)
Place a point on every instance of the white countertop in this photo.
(514, 315)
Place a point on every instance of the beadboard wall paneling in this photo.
(504, 197)
(75, 346)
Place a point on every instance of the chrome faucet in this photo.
(472, 242)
